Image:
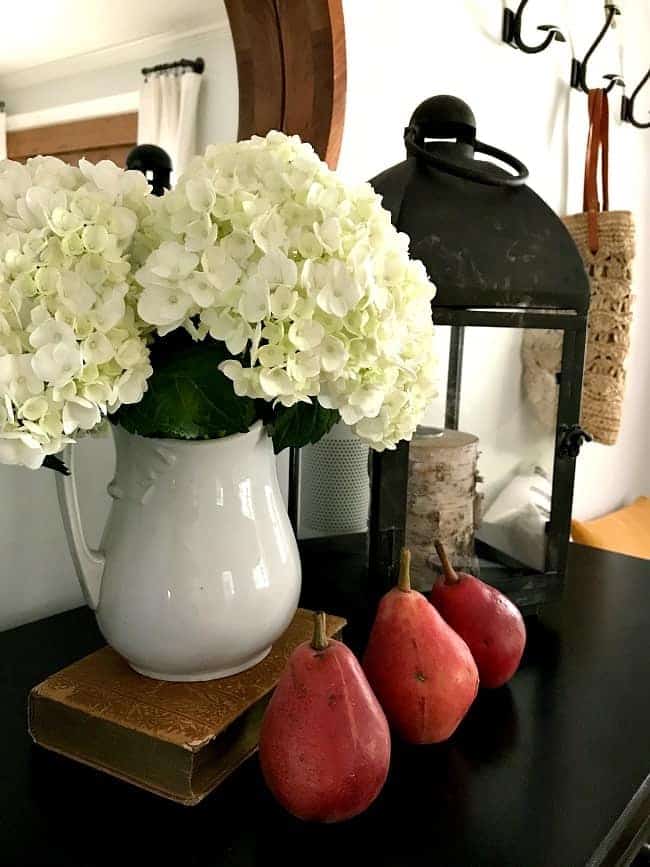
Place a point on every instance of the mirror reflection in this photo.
(76, 81)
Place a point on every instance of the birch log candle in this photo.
(443, 503)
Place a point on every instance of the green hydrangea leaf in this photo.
(188, 396)
(301, 424)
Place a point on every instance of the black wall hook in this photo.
(579, 68)
(512, 31)
(627, 105)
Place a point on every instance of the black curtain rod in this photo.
(197, 65)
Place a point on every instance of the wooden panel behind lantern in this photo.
(443, 502)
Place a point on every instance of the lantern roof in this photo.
(486, 239)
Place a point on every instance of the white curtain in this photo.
(167, 114)
(3, 134)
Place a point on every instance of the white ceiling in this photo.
(38, 32)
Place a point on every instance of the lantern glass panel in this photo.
(514, 420)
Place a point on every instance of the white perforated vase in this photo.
(335, 487)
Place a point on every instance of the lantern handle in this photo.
(481, 176)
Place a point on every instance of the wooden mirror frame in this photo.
(291, 69)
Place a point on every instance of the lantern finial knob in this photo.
(444, 116)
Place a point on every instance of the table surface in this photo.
(550, 770)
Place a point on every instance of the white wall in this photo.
(403, 51)
(36, 572)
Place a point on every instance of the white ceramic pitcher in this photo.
(198, 570)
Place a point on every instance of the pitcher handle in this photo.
(89, 564)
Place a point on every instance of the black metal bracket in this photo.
(511, 32)
(627, 105)
(579, 67)
(571, 439)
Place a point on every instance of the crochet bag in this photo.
(605, 240)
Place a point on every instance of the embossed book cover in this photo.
(179, 740)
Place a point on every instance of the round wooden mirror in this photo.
(291, 69)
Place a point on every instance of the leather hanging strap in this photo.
(597, 146)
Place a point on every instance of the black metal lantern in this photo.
(501, 260)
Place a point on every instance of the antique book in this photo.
(179, 740)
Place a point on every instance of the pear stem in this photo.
(404, 580)
(448, 571)
(319, 639)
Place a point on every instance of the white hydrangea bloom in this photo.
(303, 277)
(71, 344)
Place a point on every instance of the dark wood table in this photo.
(551, 771)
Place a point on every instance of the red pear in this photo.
(489, 622)
(421, 671)
(325, 742)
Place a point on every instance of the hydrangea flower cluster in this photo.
(303, 278)
(72, 347)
